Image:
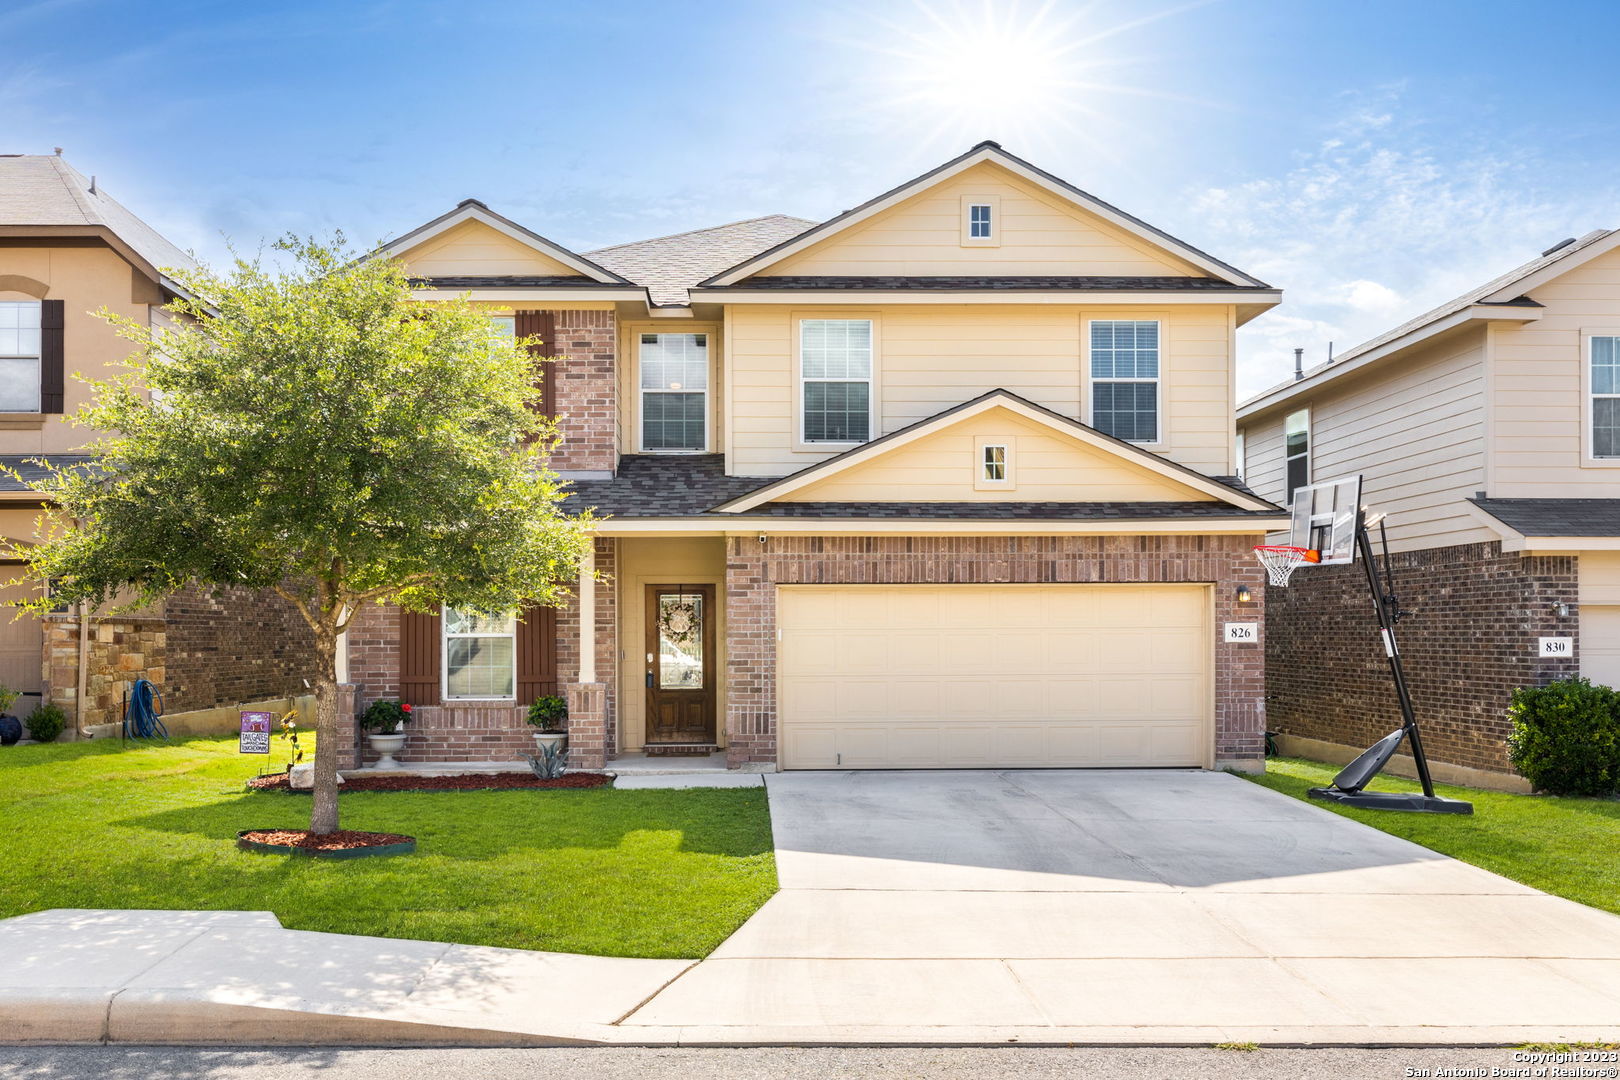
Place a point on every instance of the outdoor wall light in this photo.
(762, 538)
(1244, 596)
(1560, 608)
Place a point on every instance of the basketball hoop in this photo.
(1281, 560)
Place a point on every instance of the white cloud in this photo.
(1386, 217)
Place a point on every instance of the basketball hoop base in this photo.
(1411, 801)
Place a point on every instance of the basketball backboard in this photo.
(1324, 518)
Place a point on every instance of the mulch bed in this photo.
(467, 782)
(342, 840)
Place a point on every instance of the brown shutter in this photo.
(536, 654)
(52, 361)
(543, 325)
(419, 643)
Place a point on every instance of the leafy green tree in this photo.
(315, 431)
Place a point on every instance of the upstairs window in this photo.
(979, 221)
(1297, 451)
(1605, 397)
(994, 465)
(480, 655)
(19, 356)
(674, 392)
(1125, 379)
(835, 380)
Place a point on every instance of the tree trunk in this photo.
(323, 817)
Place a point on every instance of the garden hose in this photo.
(141, 719)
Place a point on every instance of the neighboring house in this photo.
(67, 251)
(1489, 431)
(944, 481)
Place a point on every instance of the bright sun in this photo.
(1001, 69)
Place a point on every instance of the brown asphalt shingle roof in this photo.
(43, 189)
(669, 265)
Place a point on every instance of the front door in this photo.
(680, 664)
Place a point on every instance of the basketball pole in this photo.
(1348, 786)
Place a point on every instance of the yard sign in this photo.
(255, 737)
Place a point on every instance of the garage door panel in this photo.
(942, 676)
(1600, 643)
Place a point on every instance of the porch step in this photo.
(679, 749)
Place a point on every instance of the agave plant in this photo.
(549, 764)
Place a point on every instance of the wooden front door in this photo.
(680, 664)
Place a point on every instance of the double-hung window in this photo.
(19, 356)
(1125, 379)
(835, 380)
(480, 655)
(1297, 451)
(674, 392)
(1605, 360)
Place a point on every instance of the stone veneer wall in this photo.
(478, 732)
(753, 570)
(587, 391)
(121, 650)
(1469, 643)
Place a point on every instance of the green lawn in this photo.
(616, 873)
(1568, 847)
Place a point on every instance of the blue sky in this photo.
(1372, 158)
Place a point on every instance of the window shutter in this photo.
(536, 654)
(420, 640)
(52, 360)
(543, 325)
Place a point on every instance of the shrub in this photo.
(8, 697)
(383, 716)
(1566, 737)
(547, 712)
(46, 723)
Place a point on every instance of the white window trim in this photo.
(709, 332)
(994, 203)
(1009, 447)
(1309, 455)
(444, 659)
(801, 445)
(38, 357)
(1162, 441)
(1590, 460)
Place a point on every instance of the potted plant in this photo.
(10, 726)
(384, 723)
(547, 714)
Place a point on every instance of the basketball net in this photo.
(1281, 560)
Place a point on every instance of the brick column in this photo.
(587, 725)
(348, 729)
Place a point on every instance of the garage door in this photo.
(969, 676)
(1600, 643)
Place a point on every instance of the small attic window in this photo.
(981, 224)
(994, 468)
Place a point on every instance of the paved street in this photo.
(806, 1063)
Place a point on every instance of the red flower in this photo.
(407, 708)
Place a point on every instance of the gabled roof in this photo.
(670, 265)
(1524, 519)
(44, 191)
(1501, 298)
(985, 151)
(1005, 399)
(591, 273)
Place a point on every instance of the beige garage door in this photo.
(970, 676)
(1600, 643)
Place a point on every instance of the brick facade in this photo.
(1469, 643)
(482, 731)
(587, 391)
(753, 570)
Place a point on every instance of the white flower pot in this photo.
(387, 745)
(553, 740)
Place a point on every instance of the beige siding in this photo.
(1046, 467)
(1539, 408)
(1038, 233)
(1416, 435)
(931, 357)
(474, 249)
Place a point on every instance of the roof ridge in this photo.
(73, 181)
(704, 229)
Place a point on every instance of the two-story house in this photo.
(943, 481)
(1488, 430)
(68, 250)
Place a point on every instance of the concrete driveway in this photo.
(1134, 906)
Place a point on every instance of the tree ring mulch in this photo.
(343, 844)
(464, 782)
